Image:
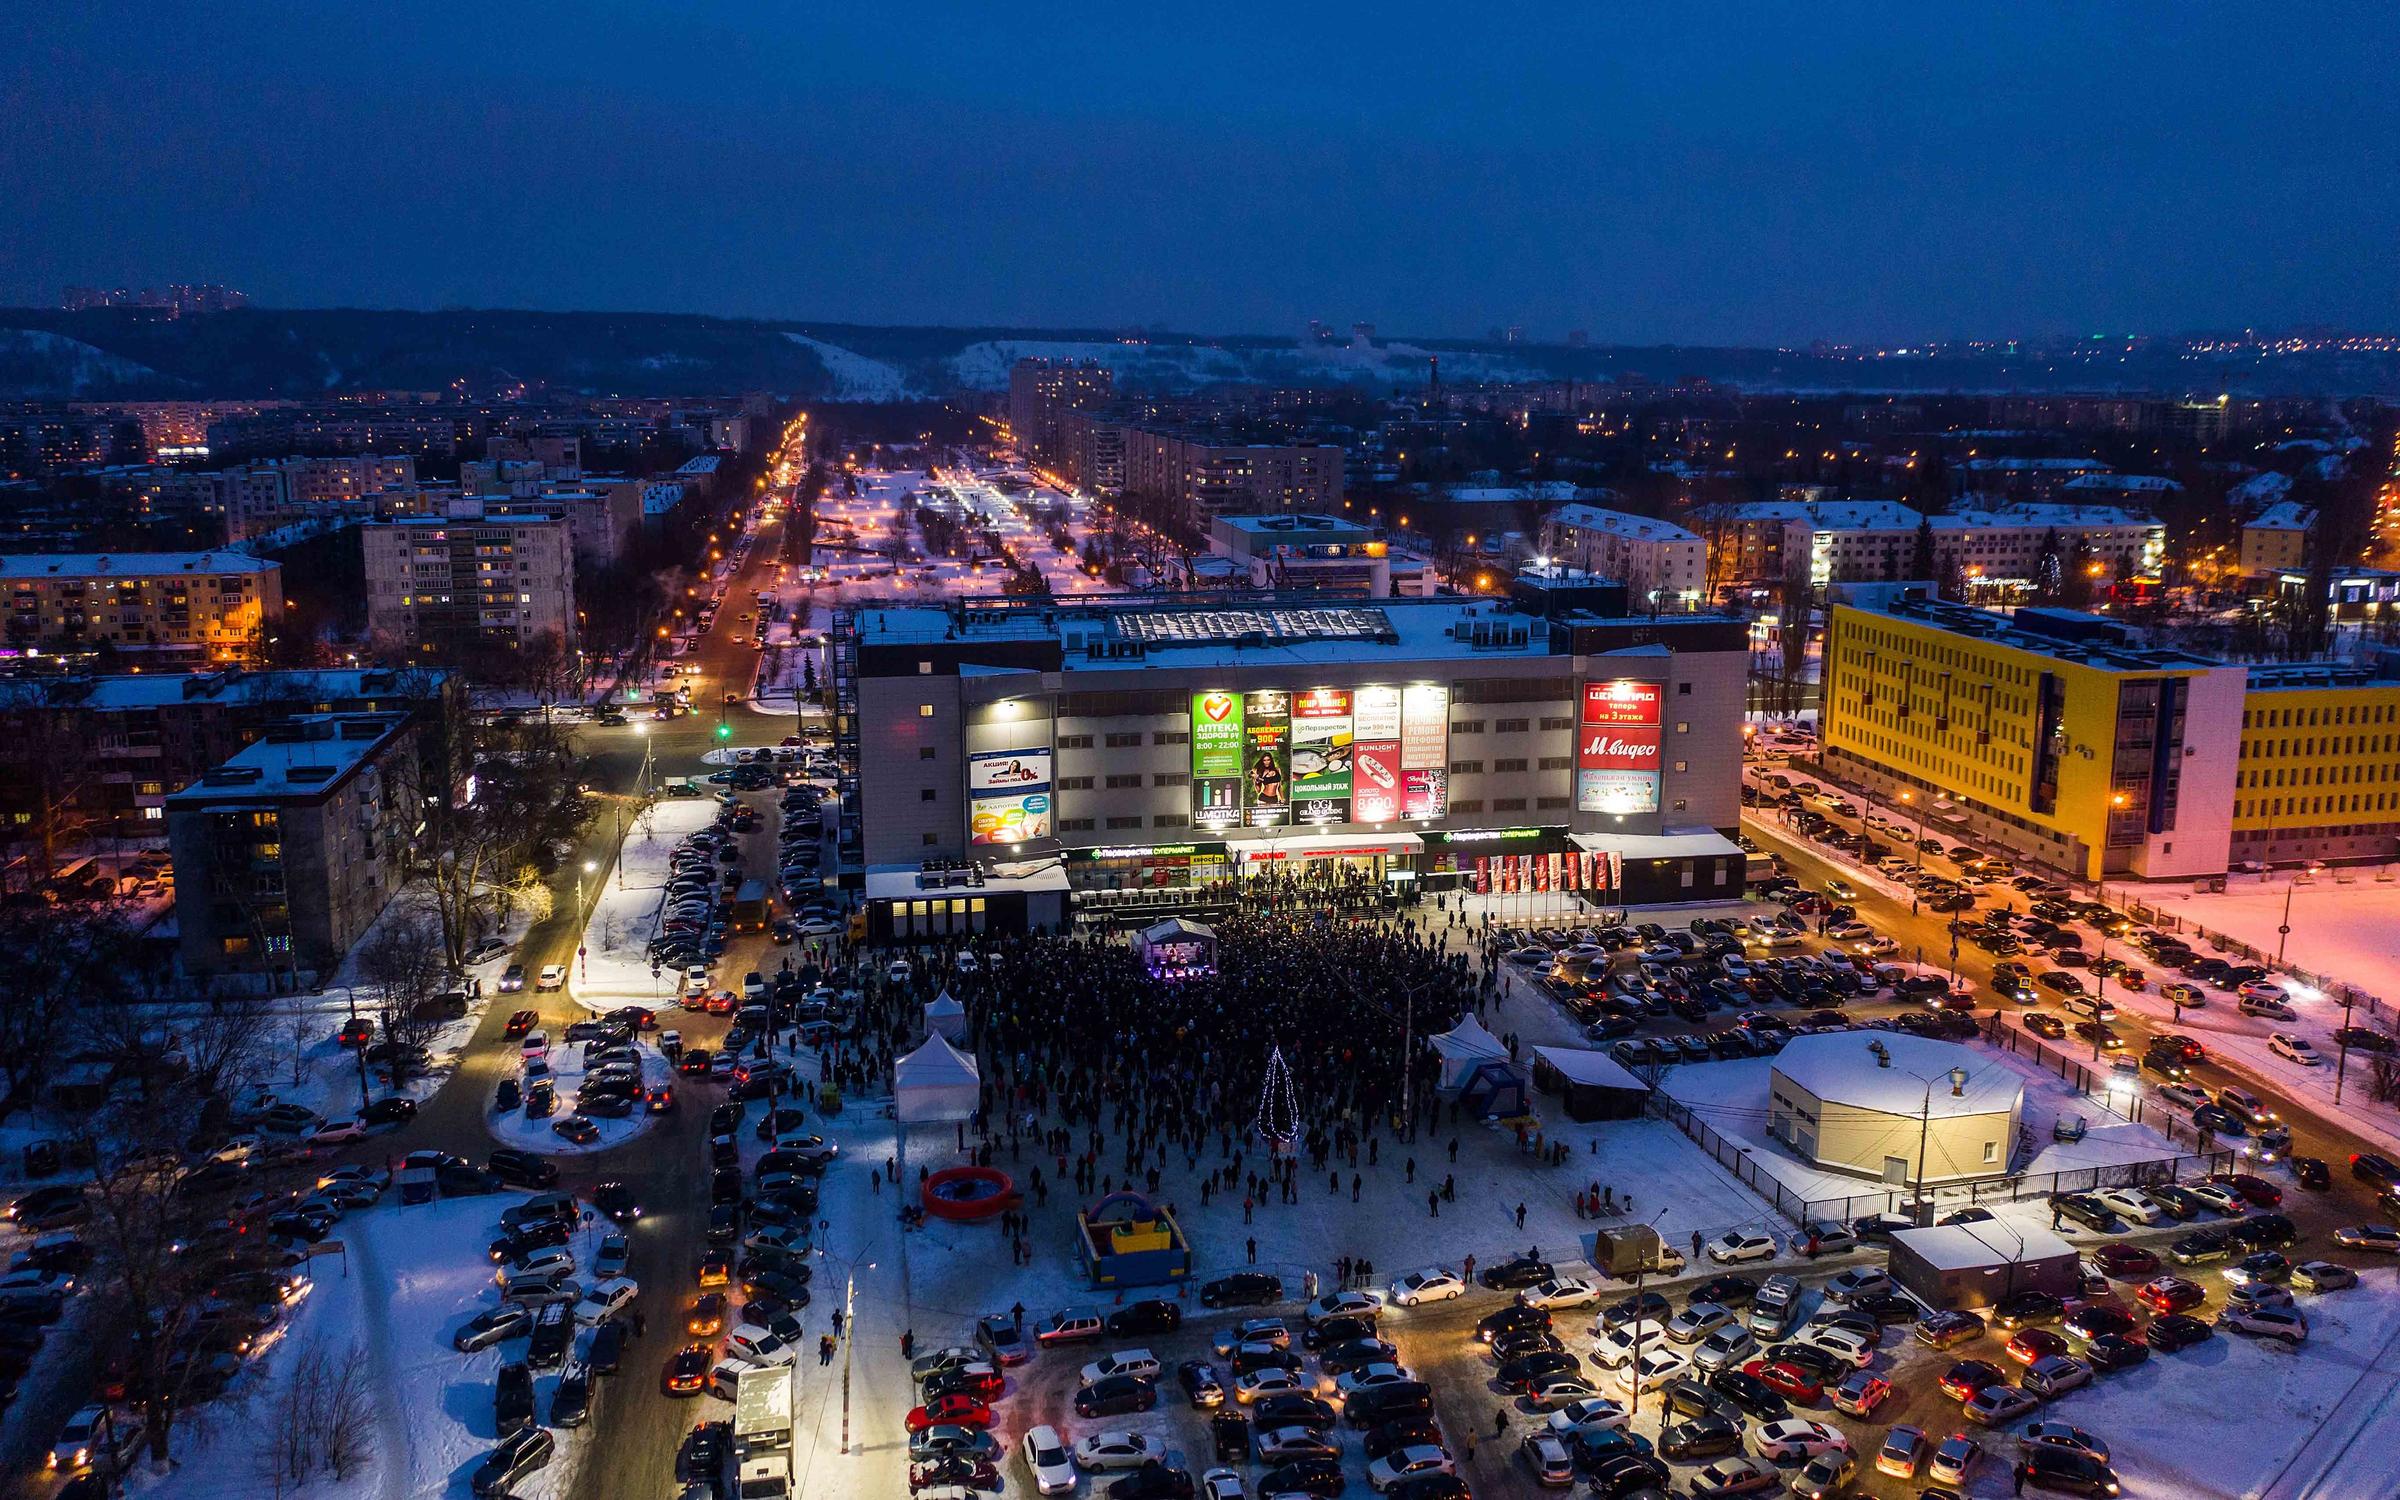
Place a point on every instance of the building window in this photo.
(1683, 726)
(1074, 742)
(1552, 804)
(925, 794)
(1074, 825)
(930, 839)
(1170, 737)
(1991, 1152)
(1466, 768)
(1557, 762)
(1466, 726)
(1682, 804)
(1683, 690)
(1508, 804)
(1508, 765)
(1125, 821)
(1074, 783)
(1171, 820)
(924, 752)
(924, 710)
(1125, 740)
(1683, 765)
(1171, 778)
(1461, 806)
(1557, 721)
(1510, 726)
(1122, 779)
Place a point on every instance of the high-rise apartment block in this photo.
(493, 580)
(1040, 389)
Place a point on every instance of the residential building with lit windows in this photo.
(1875, 541)
(1647, 554)
(489, 579)
(286, 853)
(178, 606)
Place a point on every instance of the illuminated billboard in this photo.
(1617, 747)
(1375, 755)
(1272, 757)
(1008, 771)
(1267, 759)
(1321, 755)
(1008, 796)
(1217, 746)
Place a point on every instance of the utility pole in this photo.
(2341, 1062)
(2283, 932)
(849, 1342)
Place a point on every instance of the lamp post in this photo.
(1922, 1207)
(588, 867)
(1908, 798)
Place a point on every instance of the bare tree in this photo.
(404, 960)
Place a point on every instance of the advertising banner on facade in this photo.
(1424, 794)
(1617, 747)
(1008, 817)
(1217, 747)
(1008, 771)
(1267, 759)
(1321, 745)
(1375, 781)
(1483, 874)
(1425, 728)
(1375, 713)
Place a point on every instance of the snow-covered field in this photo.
(615, 969)
(410, 1275)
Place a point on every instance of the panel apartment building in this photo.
(1075, 754)
(178, 606)
(2067, 739)
(1874, 541)
(1041, 391)
(491, 579)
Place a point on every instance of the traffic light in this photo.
(724, 731)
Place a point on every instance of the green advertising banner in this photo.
(1217, 744)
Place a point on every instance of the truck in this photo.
(762, 1433)
(1635, 1250)
(750, 907)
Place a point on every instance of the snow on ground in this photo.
(615, 969)
(855, 376)
(516, 1128)
(410, 1275)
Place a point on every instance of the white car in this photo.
(1123, 1362)
(1849, 932)
(2217, 1196)
(1795, 1439)
(695, 981)
(2282, 1324)
(2381, 1237)
(1697, 1322)
(1352, 1304)
(2136, 1206)
(1877, 946)
(1725, 1349)
(1655, 1368)
(1613, 1348)
(553, 977)
(2296, 1048)
(614, 1254)
(760, 1345)
(334, 1132)
(1737, 1245)
(1103, 1451)
(1841, 1343)
(1599, 1412)
(546, 1264)
(603, 1300)
(1432, 1284)
(1367, 1377)
(1276, 1444)
(1269, 1381)
(534, 1048)
(1559, 1292)
(1219, 1484)
(1407, 1463)
(1048, 1461)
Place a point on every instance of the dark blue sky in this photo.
(1729, 173)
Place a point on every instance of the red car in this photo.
(723, 1002)
(2171, 1294)
(1962, 1380)
(2126, 1262)
(1787, 1380)
(2030, 1344)
(957, 1409)
(2255, 1191)
(522, 1022)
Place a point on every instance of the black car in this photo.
(1151, 1315)
(1493, 1324)
(1115, 1395)
(1651, 1305)
(1201, 1385)
(1725, 1291)
(520, 1168)
(1312, 1476)
(1291, 1409)
(1406, 1432)
(1522, 1271)
(607, 1348)
(1357, 1354)
(394, 1111)
(2086, 1210)
(1327, 1332)
(2049, 1467)
(1701, 1437)
(1888, 1308)
(1378, 1404)
(520, 1454)
(1513, 1343)
(2312, 1173)
(553, 1336)
(512, 1398)
(2115, 1351)
(2264, 1232)
(616, 1200)
(571, 1398)
(2171, 1332)
(1153, 1481)
(1529, 1370)
(1750, 1394)
(1627, 1474)
(2200, 1247)
(2027, 1310)
(525, 1241)
(1242, 1289)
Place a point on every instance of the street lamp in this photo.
(1908, 798)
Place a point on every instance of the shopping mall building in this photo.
(1021, 761)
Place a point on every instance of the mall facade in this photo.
(1024, 761)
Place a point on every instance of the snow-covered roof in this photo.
(1592, 1069)
(2284, 515)
(129, 564)
(1619, 523)
(2260, 490)
(2036, 466)
(1842, 1068)
(1972, 1247)
(2061, 517)
(1675, 843)
(2144, 484)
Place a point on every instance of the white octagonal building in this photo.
(1898, 1108)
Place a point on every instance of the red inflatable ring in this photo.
(969, 1193)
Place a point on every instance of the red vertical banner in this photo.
(1483, 874)
(1541, 873)
(1569, 871)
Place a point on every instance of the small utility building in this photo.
(1898, 1108)
(1975, 1265)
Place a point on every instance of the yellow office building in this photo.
(2055, 735)
(2320, 765)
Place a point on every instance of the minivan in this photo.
(2245, 1106)
(2261, 1005)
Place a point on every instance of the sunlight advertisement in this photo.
(1617, 747)
(1375, 755)
(1217, 745)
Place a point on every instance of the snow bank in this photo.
(614, 971)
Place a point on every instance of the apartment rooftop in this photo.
(36, 565)
(1621, 523)
(302, 759)
(1297, 629)
(2031, 514)
(2064, 634)
(120, 693)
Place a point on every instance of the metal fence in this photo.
(1736, 1156)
